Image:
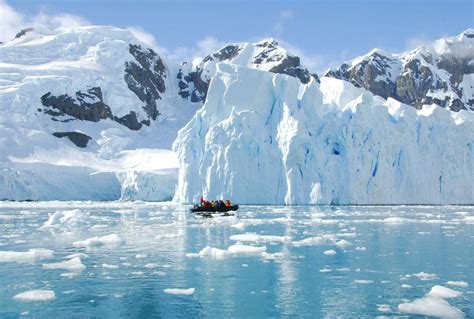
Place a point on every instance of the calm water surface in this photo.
(384, 256)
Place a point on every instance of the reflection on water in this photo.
(384, 256)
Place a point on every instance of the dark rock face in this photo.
(289, 65)
(410, 82)
(146, 78)
(192, 85)
(79, 139)
(87, 106)
(415, 82)
(23, 32)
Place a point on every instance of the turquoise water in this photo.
(388, 256)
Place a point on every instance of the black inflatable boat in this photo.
(200, 209)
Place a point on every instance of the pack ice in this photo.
(269, 139)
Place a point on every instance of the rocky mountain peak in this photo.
(267, 55)
(441, 72)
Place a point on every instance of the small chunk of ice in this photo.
(213, 253)
(35, 295)
(431, 306)
(73, 264)
(443, 292)
(383, 308)
(363, 281)
(425, 276)
(311, 241)
(29, 256)
(462, 284)
(179, 291)
(343, 244)
(330, 252)
(252, 237)
(109, 266)
(109, 240)
(240, 249)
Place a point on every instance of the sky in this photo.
(322, 32)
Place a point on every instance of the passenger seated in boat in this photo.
(227, 203)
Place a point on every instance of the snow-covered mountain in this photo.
(92, 112)
(79, 101)
(266, 138)
(194, 76)
(440, 73)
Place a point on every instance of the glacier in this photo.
(263, 138)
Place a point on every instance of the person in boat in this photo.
(227, 203)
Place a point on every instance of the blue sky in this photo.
(323, 32)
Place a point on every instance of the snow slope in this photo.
(269, 139)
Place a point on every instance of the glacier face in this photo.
(265, 138)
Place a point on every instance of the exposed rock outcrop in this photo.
(86, 106)
(146, 78)
(79, 139)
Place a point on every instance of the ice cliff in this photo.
(264, 138)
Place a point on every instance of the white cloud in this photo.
(201, 48)
(312, 62)
(12, 21)
(416, 41)
(283, 18)
(62, 20)
(143, 36)
(208, 45)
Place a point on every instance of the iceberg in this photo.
(265, 138)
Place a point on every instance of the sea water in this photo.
(145, 260)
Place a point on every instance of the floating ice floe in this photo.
(73, 264)
(469, 219)
(361, 248)
(443, 292)
(363, 281)
(330, 252)
(384, 308)
(433, 305)
(405, 286)
(35, 295)
(29, 256)
(462, 284)
(67, 218)
(109, 266)
(151, 265)
(310, 241)
(246, 250)
(109, 240)
(80, 255)
(425, 276)
(252, 237)
(179, 291)
(213, 253)
(233, 250)
(395, 220)
(343, 244)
